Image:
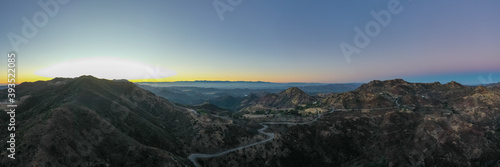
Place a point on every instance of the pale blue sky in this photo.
(280, 41)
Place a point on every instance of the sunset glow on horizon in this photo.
(272, 41)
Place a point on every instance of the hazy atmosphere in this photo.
(275, 41)
(246, 83)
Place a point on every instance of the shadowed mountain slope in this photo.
(90, 122)
(433, 125)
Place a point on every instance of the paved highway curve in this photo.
(193, 157)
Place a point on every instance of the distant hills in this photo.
(87, 121)
(286, 100)
(230, 95)
(311, 88)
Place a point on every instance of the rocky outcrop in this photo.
(435, 125)
(285, 100)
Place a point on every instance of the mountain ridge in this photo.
(391, 123)
(95, 121)
(286, 100)
(98, 122)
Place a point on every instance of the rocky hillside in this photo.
(285, 100)
(494, 86)
(385, 94)
(434, 125)
(94, 122)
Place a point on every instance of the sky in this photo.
(254, 40)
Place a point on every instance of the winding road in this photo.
(193, 157)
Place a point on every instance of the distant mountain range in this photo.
(230, 95)
(87, 121)
(307, 87)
